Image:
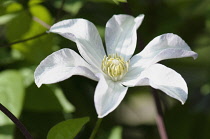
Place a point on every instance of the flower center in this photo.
(115, 66)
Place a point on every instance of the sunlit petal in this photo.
(108, 95)
(166, 46)
(85, 35)
(61, 65)
(120, 36)
(161, 77)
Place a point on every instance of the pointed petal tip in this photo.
(141, 16)
(36, 79)
(165, 79)
(100, 116)
(38, 84)
(183, 101)
(195, 56)
(139, 20)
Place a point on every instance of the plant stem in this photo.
(44, 24)
(159, 117)
(28, 39)
(20, 126)
(95, 130)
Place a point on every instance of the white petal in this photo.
(139, 20)
(133, 73)
(108, 95)
(161, 77)
(86, 36)
(120, 35)
(166, 46)
(61, 65)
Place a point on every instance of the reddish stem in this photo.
(159, 117)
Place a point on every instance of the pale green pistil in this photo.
(115, 67)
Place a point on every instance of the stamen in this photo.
(115, 66)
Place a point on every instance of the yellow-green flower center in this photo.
(115, 66)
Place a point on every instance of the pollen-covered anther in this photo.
(115, 66)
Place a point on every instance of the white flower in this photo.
(115, 70)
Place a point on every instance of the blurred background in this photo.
(24, 43)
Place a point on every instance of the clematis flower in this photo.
(116, 69)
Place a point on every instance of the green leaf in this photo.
(118, 1)
(67, 129)
(116, 133)
(105, 1)
(33, 2)
(66, 105)
(23, 27)
(28, 76)
(12, 96)
(46, 99)
(12, 93)
(6, 18)
(7, 131)
(5, 57)
(72, 6)
(9, 7)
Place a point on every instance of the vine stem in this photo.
(159, 117)
(20, 126)
(24, 40)
(44, 24)
(95, 130)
